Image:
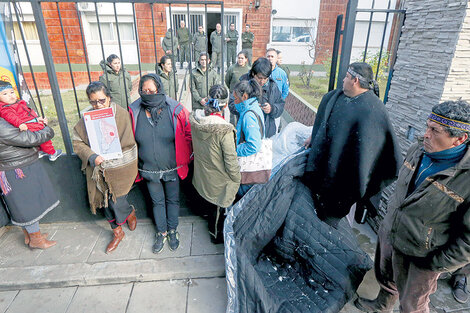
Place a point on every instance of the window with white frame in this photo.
(292, 30)
(109, 31)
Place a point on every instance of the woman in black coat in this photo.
(271, 101)
(26, 188)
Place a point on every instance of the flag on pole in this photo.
(7, 60)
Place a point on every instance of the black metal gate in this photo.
(386, 55)
(14, 10)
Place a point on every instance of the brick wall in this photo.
(72, 33)
(299, 110)
(329, 10)
(65, 82)
(259, 19)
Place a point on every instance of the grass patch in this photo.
(71, 113)
(313, 94)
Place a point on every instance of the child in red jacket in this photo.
(17, 113)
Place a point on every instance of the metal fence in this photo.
(396, 15)
(13, 9)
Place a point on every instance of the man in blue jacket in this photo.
(278, 74)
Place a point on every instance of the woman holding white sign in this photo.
(108, 180)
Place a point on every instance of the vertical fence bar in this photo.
(51, 73)
(207, 46)
(85, 52)
(346, 46)
(175, 79)
(68, 59)
(392, 61)
(383, 40)
(20, 26)
(190, 54)
(368, 31)
(137, 40)
(120, 53)
(222, 38)
(101, 43)
(334, 57)
(153, 32)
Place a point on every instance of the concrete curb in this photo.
(113, 272)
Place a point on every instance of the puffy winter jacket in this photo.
(19, 148)
(248, 123)
(116, 84)
(216, 171)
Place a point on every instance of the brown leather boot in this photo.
(26, 236)
(132, 220)
(383, 303)
(37, 241)
(118, 236)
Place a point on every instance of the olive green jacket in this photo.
(233, 36)
(199, 41)
(216, 171)
(116, 85)
(432, 223)
(168, 84)
(184, 37)
(247, 40)
(166, 43)
(199, 86)
(235, 71)
(216, 41)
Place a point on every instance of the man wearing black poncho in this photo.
(355, 152)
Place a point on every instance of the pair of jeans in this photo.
(166, 203)
(117, 212)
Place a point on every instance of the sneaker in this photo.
(159, 243)
(459, 290)
(173, 240)
(42, 154)
(55, 156)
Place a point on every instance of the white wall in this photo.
(300, 13)
(295, 11)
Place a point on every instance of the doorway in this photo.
(212, 20)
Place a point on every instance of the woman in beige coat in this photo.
(216, 171)
(109, 181)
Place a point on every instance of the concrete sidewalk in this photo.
(77, 275)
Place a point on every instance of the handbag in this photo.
(256, 168)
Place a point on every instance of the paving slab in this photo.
(185, 232)
(6, 298)
(74, 245)
(161, 296)
(54, 300)
(13, 251)
(443, 299)
(202, 244)
(129, 248)
(102, 299)
(116, 272)
(207, 295)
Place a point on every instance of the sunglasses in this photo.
(100, 101)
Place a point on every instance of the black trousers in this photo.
(166, 203)
(117, 212)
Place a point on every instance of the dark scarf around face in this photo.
(154, 103)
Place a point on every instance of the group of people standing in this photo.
(179, 43)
